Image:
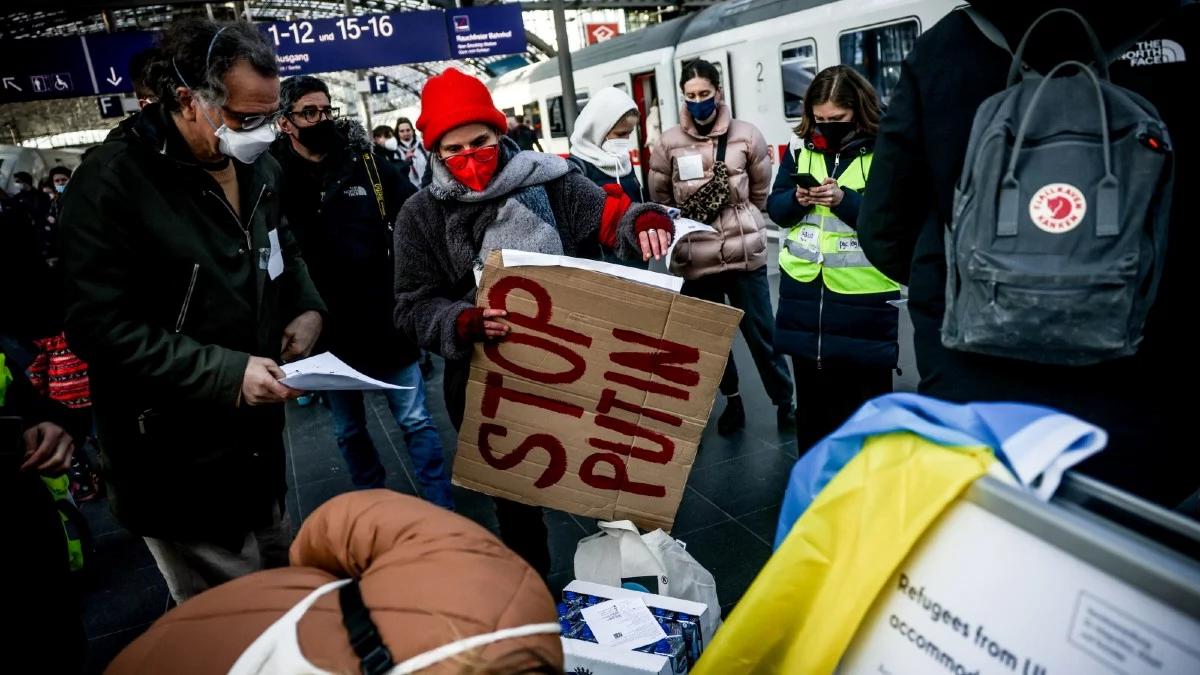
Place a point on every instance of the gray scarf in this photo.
(524, 220)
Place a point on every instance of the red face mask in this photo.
(474, 168)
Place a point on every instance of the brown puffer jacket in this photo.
(428, 576)
(741, 239)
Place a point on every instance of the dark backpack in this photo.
(1059, 230)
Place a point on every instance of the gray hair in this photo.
(198, 53)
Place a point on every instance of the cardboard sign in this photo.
(596, 401)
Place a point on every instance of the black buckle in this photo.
(377, 661)
(374, 657)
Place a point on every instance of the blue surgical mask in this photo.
(60, 188)
(702, 110)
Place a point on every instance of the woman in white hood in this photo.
(600, 147)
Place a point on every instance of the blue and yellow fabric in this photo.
(856, 505)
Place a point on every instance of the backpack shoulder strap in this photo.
(721, 141)
(989, 29)
(376, 182)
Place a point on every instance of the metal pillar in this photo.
(566, 74)
(364, 103)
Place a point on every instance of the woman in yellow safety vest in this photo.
(834, 319)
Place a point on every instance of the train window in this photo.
(533, 116)
(797, 67)
(878, 52)
(558, 121)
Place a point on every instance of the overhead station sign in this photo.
(350, 42)
(485, 31)
(98, 64)
(83, 65)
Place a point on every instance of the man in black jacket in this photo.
(182, 293)
(341, 202)
(918, 157)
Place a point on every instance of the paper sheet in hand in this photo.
(514, 258)
(625, 622)
(326, 372)
(683, 228)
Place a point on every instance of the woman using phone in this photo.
(834, 319)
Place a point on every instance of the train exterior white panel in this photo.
(752, 41)
(751, 54)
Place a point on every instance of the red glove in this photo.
(654, 220)
(616, 203)
(468, 327)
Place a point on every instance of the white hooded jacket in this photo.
(602, 112)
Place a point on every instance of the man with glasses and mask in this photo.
(340, 200)
(183, 294)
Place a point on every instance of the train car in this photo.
(641, 63)
(767, 51)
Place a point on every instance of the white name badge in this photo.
(690, 167)
(275, 259)
(808, 237)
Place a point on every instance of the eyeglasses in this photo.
(248, 121)
(313, 114)
(485, 154)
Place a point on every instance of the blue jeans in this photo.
(420, 435)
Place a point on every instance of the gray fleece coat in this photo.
(445, 228)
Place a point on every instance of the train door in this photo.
(645, 95)
(720, 59)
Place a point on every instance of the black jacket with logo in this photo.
(167, 297)
(334, 212)
(918, 157)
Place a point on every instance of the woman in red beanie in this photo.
(487, 194)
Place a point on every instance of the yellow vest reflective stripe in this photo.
(821, 241)
(5, 378)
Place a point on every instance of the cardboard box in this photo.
(596, 401)
(580, 656)
(697, 609)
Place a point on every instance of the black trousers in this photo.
(1146, 420)
(46, 633)
(522, 527)
(827, 396)
(749, 292)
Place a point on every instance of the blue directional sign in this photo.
(109, 55)
(365, 41)
(111, 106)
(377, 84)
(81, 65)
(485, 31)
(98, 63)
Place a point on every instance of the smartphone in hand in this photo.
(805, 180)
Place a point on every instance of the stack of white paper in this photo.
(326, 372)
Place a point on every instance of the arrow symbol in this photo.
(113, 79)
(8, 83)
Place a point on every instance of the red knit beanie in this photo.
(452, 100)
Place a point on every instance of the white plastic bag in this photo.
(654, 562)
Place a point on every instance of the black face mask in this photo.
(836, 133)
(322, 137)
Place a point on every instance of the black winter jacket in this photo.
(813, 322)
(332, 210)
(167, 297)
(918, 157)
